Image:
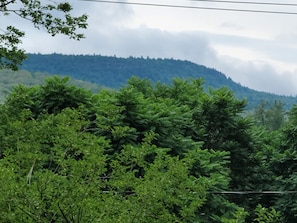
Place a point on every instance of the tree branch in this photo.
(63, 214)
(4, 4)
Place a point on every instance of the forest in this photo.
(144, 153)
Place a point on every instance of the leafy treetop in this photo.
(55, 17)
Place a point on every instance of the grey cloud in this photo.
(103, 14)
(231, 26)
(153, 43)
(259, 76)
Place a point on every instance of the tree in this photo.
(273, 117)
(267, 215)
(54, 171)
(56, 18)
(134, 163)
(150, 153)
(283, 164)
(52, 97)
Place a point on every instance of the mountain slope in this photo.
(9, 79)
(114, 72)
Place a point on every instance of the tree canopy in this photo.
(53, 16)
(143, 153)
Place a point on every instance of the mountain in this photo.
(114, 72)
(9, 79)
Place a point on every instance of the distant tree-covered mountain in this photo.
(114, 72)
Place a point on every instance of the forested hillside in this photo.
(143, 153)
(114, 72)
(10, 79)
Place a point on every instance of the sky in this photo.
(257, 50)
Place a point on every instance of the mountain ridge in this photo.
(113, 72)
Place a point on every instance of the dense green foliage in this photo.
(143, 153)
(273, 117)
(53, 16)
(114, 72)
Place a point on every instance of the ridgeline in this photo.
(113, 72)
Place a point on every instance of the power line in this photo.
(253, 192)
(247, 2)
(226, 192)
(195, 7)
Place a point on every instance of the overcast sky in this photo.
(257, 50)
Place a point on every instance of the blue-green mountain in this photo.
(113, 72)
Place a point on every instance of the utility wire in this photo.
(247, 2)
(194, 7)
(253, 192)
(227, 192)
